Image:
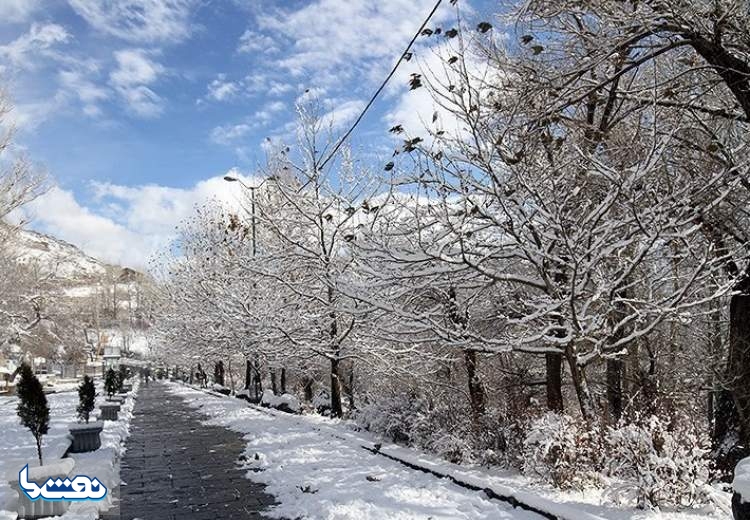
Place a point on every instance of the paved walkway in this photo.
(177, 468)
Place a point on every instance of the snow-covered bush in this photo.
(657, 464)
(442, 427)
(398, 418)
(563, 451)
(322, 402)
(285, 402)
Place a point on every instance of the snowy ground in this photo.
(17, 448)
(317, 469)
(317, 476)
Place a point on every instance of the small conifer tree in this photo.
(122, 374)
(110, 382)
(32, 407)
(86, 398)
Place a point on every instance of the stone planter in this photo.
(86, 436)
(109, 411)
(43, 508)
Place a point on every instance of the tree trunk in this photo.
(248, 374)
(274, 386)
(283, 380)
(578, 375)
(258, 379)
(477, 397)
(39, 449)
(614, 389)
(336, 408)
(351, 388)
(732, 424)
(308, 389)
(554, 382)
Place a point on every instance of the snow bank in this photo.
(285, 402)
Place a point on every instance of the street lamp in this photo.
(252, 189)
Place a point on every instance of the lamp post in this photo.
(252, 189)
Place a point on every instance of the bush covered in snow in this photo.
(440, 427)
(285, 402)
(322, 402)
(657, 464)
(398, 418)
(644, 463)
(563, 451)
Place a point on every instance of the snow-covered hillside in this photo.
(57, 257)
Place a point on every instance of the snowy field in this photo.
(17, 448)
(317, 469)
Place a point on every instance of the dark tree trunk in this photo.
(248, 374)
(554, 381)
(351, 388)
(336, 408)
(614, 389)
(274, 386)
(257, 381)
(581, 385)
(308, 389)
(477, 399)
(733, 71)
(283, 380)
(732, 423)
(39, 449)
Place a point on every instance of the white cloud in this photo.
(343, 114)
(89, 93)
(130, 223)
(220, 89)
(229, 134)
(131, 79)
(416, 109)
(58, 213)
(330, 35)
(265, 115)
(18, 10)
(233, 134)
(223, 89)
(253, 42)
(141, 21)
(27, 116)
(40, 39)
(134, 67)
(156, 210)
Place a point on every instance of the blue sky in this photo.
(137, 108)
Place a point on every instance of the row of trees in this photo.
(568, 234)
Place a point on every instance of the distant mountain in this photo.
(57, 257)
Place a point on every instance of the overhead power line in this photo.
(381, 87)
